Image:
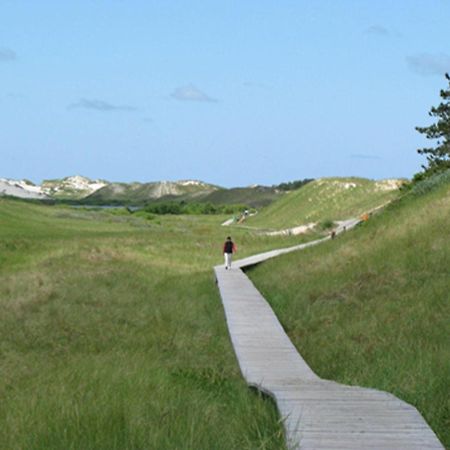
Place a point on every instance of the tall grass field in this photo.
(372, 307)
(112, 334)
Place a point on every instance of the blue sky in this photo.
(232, 93)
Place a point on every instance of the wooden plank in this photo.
(317, 414)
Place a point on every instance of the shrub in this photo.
(183, 207)
(428, 184)
(326, 224)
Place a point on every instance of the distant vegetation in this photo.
(292, 185)
(84, 191)
(371, 307)
(184, 207)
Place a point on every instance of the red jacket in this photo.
(233, 247)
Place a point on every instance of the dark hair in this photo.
(229, 238)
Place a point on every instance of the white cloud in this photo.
(377, 30)
(190, 93)
(100, 105)
(429, 64)
(6, 54)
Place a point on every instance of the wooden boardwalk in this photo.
(317, 414)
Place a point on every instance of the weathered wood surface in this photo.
(317, 414)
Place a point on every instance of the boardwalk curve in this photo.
(317, 414)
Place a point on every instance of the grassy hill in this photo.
(82, 190)
(254, 196)
(372, 307)
(325, 199)
(140, 193)
(137, 193)
(113, 336)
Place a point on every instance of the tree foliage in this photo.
(291, 185)
(438, 157)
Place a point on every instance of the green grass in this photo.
(321, 200)
(112, 334)
(371, 307)
(256, 197)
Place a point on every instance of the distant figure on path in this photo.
(228, 249)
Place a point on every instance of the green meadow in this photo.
(372, 307)
(112, 334)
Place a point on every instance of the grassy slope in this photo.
(251, 196)
(112, 334)
(139, 193)
(322, 199)
(256, 197)
(372, 307)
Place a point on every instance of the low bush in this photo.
(183, 207)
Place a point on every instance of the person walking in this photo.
(229, 247)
